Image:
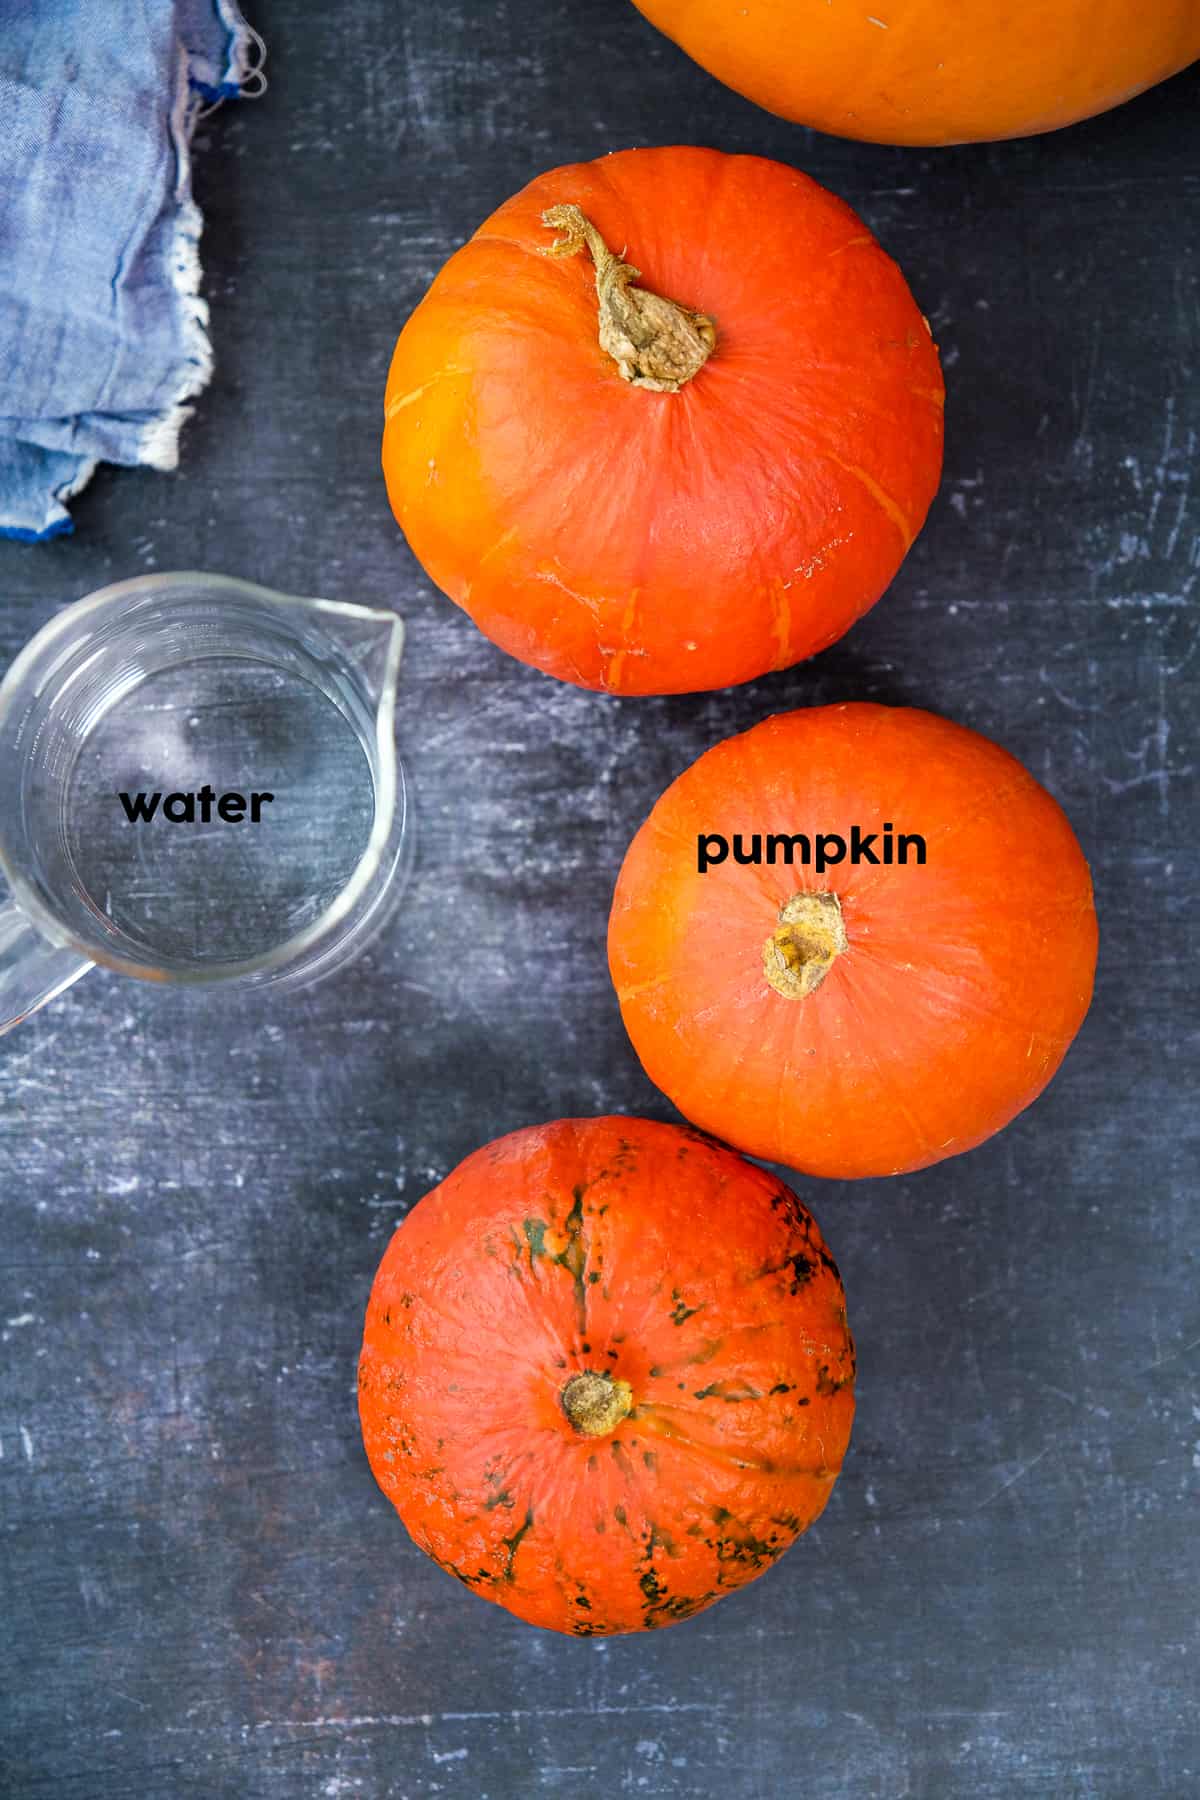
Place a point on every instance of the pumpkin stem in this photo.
(804, 946)
(595, 1403)
(655, 343)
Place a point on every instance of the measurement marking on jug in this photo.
(195, 808)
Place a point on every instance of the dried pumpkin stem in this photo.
(595, 1403)
(804, 946)
(655, 343)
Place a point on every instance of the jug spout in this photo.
(372, 641)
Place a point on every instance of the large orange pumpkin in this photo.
(867, 1017)
(606, 1376)
(935, 71)
(672, 480)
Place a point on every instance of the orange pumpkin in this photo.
(606, 1376)
(678, 479)
(935, 71)
(865, 1017)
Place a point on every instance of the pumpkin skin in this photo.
(953, 993)
(935, 71)
(643, 542)
(693, 1289)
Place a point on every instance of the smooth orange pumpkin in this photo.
(935, 71)
(869, 1018)
(678, 480)
(606, 1376)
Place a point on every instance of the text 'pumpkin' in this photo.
(606, 1376)
(676, 475)
(880, 1015)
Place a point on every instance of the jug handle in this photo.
(32, 970)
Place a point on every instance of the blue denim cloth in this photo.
(102, 331)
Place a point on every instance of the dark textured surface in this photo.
(204, 1594)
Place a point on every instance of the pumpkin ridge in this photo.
(887, 1082)
(1019, 782)
(868, 880)
(513, 1544)
(616, 660)
(710, 1348)
(597, 605)
(505, 538)
(666, 1432)
(781, 620)
(638, 988)
(449, 1318)
(744, 1053)
(486, 236)
(851, 244)
(805, 413)
(544, 1294)
(880, 495)
(963, 998)
(397, 403)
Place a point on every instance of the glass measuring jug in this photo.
(198, 783)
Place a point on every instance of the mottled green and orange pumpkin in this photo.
(606, 1376)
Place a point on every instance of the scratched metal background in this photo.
(204, 1594)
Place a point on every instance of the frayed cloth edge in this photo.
(241, 47)
(158, 446)
(58, 521)
(21, 534)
